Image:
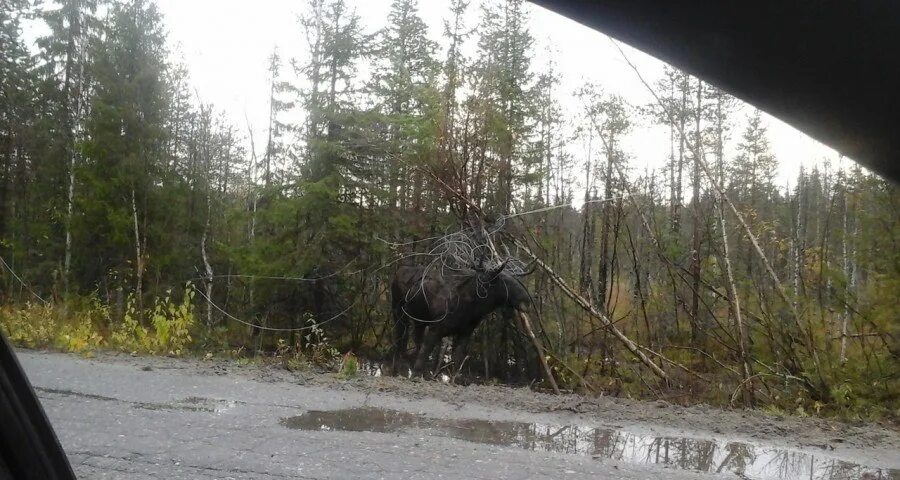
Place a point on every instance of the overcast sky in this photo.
(225, 44)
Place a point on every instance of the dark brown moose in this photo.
(433, 304)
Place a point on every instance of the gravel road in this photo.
(148, 417)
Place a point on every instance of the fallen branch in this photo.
(676, 364)
(526, 325)
(589, 308)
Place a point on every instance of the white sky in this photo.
(225, 44)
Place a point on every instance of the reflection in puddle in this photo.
(718, 456)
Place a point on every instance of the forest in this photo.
(135, 216)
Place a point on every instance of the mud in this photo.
(856, 443)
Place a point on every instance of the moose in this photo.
(433, 304)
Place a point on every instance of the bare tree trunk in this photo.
(139, 259)
(587, 248)
(73, 92)
(251, 233)
(207, 266)
(638, 287)
(269, 142)
(734, 302)
(845, 318)
(70, 202)
(587, 239)
(679, 192)
(798, 240)
(697, 330)
(673, 211)
(603, 276)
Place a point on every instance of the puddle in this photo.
(715, 456)
(200, 404)
(190, 404)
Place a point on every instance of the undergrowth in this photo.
(81, 326)
(170, 326)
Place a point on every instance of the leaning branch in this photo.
(589, 308)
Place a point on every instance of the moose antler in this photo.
(528, 269)
(496, 271)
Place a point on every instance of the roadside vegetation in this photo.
(135, 217)
(169, 327)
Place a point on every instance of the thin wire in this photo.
(273, 329)
(554, 207)
(406, 244)
(296, 279)
(266, 277)
(22, 282)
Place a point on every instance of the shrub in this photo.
(51, 326)
(172, 324)
(349, 366)
(31, 326)
(79, 325)
(319, 350)
(130, 335)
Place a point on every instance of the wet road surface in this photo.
(119, 421)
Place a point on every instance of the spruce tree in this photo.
(125, 133)
(504, 72)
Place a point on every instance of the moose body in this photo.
(432, 305)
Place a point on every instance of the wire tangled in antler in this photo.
(469, 251)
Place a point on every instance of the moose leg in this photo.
(418, 334)
(401, 338)
(432, 338)
(442, 349)
(460, 351)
